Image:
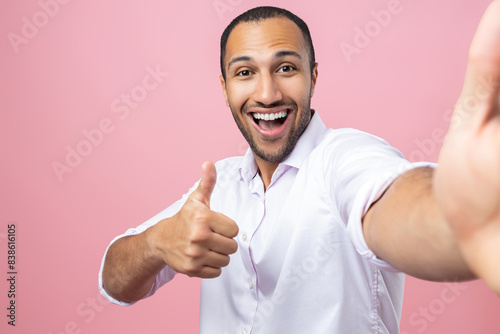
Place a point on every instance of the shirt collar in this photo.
(312, 137)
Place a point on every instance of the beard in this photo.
(292, 137)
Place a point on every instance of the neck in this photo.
(266, 170)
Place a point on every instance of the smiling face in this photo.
(269, 85)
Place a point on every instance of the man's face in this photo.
(269, 85)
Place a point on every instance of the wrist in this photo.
(153, 246)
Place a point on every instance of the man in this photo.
(311, 230)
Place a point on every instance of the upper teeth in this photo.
(270, 117)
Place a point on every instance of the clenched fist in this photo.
(197, 241)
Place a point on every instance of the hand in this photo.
(467, 181)
(197, 241)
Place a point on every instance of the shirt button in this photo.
(250, 285)
(243, 332)
(244, 237)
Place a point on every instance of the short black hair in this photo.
(259, 14)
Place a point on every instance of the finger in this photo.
(204, 266)
(216, 260)
(207, 183)
(223, 225)
(482, 82)
(221, 244)
(208, 272)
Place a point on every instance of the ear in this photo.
(314, 76)
(224, 90)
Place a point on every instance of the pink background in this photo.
(66, 76)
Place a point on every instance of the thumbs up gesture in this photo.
(467, 181)
(197, 241)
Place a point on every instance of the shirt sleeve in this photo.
(360, 168)
(167, 274)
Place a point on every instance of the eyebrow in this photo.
(238, 59)
(278, 54)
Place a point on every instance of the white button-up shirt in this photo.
(302, 264)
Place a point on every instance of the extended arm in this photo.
(446, 224)
(406, 228)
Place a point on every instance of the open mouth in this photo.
(270, 121)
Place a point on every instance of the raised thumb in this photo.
(207, 183)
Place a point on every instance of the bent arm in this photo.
(196, 241)
(406, 229)
(130, 267)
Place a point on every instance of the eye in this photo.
(243, 73)
(286, 68)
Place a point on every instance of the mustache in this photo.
(290, 104)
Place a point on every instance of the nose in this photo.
(267, 90)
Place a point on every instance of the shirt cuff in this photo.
(361, 205)
(101, 286)
(166, 275)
